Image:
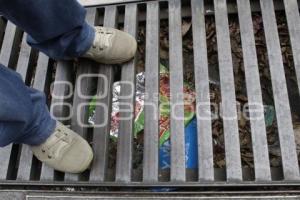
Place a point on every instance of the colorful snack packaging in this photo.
(164, 101)
(165, 110)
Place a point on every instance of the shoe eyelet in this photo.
(43, 151)
(50, 157)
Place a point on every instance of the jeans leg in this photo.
(24, 117)
(55, 27)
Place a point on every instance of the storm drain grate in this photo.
(18, 166)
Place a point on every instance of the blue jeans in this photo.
(57, 28)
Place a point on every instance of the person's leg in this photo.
(24, 117)
(58, 29)
(55, 27)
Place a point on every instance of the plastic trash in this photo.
(191, 152)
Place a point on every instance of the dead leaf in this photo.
(297, 136)
(275, 150)
(275, 162)
(164, 43)
(242, 121)
(242, 97)
(185, 27)
(163, 54)
(221, 163)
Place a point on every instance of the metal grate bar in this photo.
(126, 174)
(150, 170)
(231, 133)
(24, 58)
(102, 133)
(8, 44)
(85, 67)
(62, 91)
(258, 128)
(62, 76)
(205, 148)
(41, 72)
(293, 20)
(25, 163)
(125, 138)
(4, 160)
(176, 93)
(281, 101)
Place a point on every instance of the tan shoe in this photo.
(65, 151)
(111, 46)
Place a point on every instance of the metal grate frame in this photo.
(19, 167)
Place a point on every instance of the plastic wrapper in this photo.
(164, 100)
(140, 93)
(191, 152)
(164, 96)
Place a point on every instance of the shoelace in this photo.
(102, 40)
(60, 142)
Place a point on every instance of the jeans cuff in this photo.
(88, 41)
(45, 133)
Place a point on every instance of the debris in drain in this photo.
(164, 135)
(269, 115)
(139, 112)
(191, 149)
(189, 107)
(215, 89)
(297, 137)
